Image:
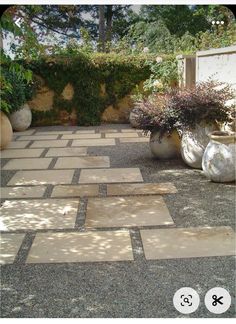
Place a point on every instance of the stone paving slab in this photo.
(22, 192)
(81, 136)
(53, 143)
(82, 162)
(81, 247)
(174, 243)
(26, 132)
(37, 137)
(54, 133)
(89, 131)
(108, 130)
(94, 142)
(41, 177)
(38, 214)
(127, 211)
(135, 140)
(28, 164)
(75, 190)
(129, 130)
(17, 145)
(21, 153)
(140, 189)
(9, 247)
(110, 175)
(118, 135)
(66, 151)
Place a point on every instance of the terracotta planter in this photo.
(6, 131)
(219, 158)
(21, 119)
(166, 148)
(194, 143)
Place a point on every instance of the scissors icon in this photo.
(216, 300)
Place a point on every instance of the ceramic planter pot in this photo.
(21, 119)
(165, 148)
(133, 117)
(194, 143)
(6, 131)
(219, 158)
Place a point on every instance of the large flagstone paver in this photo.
(26, 132)
(140, 189)
(110, 175)
(174, 243)
(129, 130)
(108, 130)
(78, 136)
(37, 137)
(88, 131)
(66, 151)
(52, 143)
(17, 145)
(82, 162)
(75, 190)
(118, 135)
(21, 153)
(127, 211)
(94, 142)
(81, 247)
(41, 177)
(22, 192)
(38, 214)
(9, 246)
(135, 140)
(28, 164)
(54, 133)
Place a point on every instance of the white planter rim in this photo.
(223, 136)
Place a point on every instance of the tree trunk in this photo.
(109, 23)
(102, 39)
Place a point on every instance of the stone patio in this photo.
(92, 196)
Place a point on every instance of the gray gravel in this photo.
(139, 288)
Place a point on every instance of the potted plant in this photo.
(161, 122)
(21, 91)
(199, 111)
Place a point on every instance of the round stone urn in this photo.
(21, 119)
(133, 117)
(219, 158)
(167, 147)
(6, 131)
(193, 144)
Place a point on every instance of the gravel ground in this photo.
(127, 289)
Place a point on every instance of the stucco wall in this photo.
(219, 64)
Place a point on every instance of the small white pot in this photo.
(193, 144)
(21, 119)
(219, 158)
(5, 131)
(133, 117)
(165, 148)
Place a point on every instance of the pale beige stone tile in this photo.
(174, 243)
(135, 140)
(82, 162)
(89, 131)
(128, 130)
(108, 130)
(140, 189)
(81, 136)
(81, 247)
(41, 177)
(26, 132)
(119, 135)
(94, 142)
(75, 190)
(38, 214)
(21, 153)
(127, 211)
(9, 247)
(28, 164)
(110, 175)
(67, 151)
(54, 133)
(37, 137)
(53, 143)
(22, 192)
(18, 145)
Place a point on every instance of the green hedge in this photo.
(87, 73)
